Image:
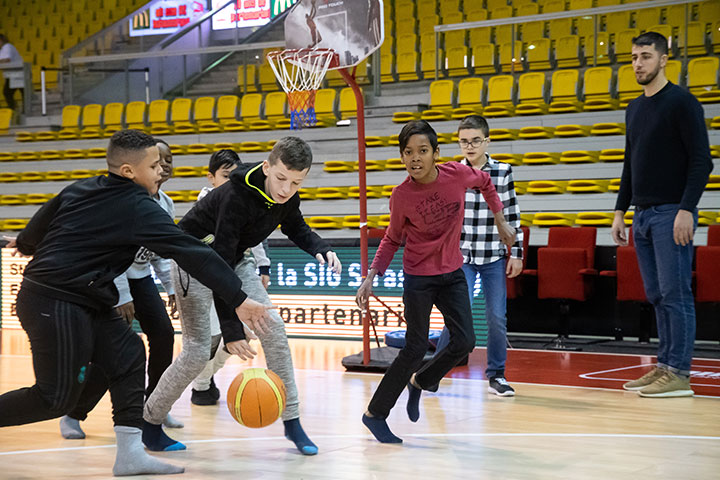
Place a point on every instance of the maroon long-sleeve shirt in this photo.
(430, 217)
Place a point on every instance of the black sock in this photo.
(157, 441)
(413, 403)
(379, 428)
(295, 433)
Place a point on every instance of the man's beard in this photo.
(650, 77)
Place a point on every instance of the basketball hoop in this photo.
(300, 73)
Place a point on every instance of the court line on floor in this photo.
(413, 435)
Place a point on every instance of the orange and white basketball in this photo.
(256, 397)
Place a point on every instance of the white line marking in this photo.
(413, 435)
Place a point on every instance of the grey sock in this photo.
(132, 459)
(171, 422)
(70, 428)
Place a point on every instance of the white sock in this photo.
(132, 459)
(171, 422)
(70, 428)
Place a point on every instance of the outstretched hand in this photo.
(254, 315)
(332, 261)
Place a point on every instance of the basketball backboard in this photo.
(353, 28)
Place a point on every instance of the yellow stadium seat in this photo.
(324, 222)
(579, 156)
(552, 6)
(75, 153)
(497, 134)
(250, 108)
(572, 130)
(526, 218)
(715, 37)
(532, 30)
(538, 54)
(180, 116)
(331, 193)
(394, 164)
(442, 95)
(707, 217)
(614, 185)
(553, 219)
(500, 92)
(598, 85)
(307, 193)
(91, 121)
(187, 172)
(407, 66)
(266, 78)
(456, 61)
(353, 221)
(612, 155)
(337, 166)
(79, 173)
(541, 158)
(715, 151)
(607, 3)
(348, 104)
(607, 128)
(275, 107)
(543, 187)
(387, 67)
(27, 155)
(7, 156)
(203, 116)
(14, 223)
(667, 32)
(32, 176)
(483, 59)
(594, 219)
(427, 22)
(9, 177)
(242, 79)
(38, 198)
(448, 8)
(388, 189)
(5, 118)
(51, 154)
(536, 132)
(383, 221)
(709, 12)
(469, 97)
(199, 148)
(531, 95)
(588, 186)
(96, 152)
(23, 136)
(376, 141)
(559, 27)
(510, 57)
(627, 87)
(623, 44)
(325, 107)
(455, 38)
(617, 21)
(480, 36)
(375, 165)
(158, 117)
(628, 217)
(12, 199)
(227, 114)
(521, 187)
(695, 38)
(713, 183)
(112, 118)
(567, 51)
(602, 43)
(69, 126)
(371, 191)
(514, 159)
(646, 17)
(563, 95)
(703, 79)
(135, 115)
(251, 146)
(715, 122)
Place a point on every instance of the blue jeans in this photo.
(492, 278)
(666, 269)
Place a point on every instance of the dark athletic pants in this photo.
(65, 337)
(448, 292)
(155, 323)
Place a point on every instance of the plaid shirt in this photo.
(480, 242)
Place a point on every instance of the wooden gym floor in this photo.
(569, 419)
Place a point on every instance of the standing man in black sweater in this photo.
(80, 241)
(667, 164)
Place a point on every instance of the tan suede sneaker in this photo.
(667, 386)
(645, 380)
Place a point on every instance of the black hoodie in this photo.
(238, 215)
(89, 234)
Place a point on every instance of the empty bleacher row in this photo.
(409, 50)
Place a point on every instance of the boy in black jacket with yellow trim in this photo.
(81, 240)
(232, 218)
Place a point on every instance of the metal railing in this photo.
(588, 12)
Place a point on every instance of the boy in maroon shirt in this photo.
(427, 211)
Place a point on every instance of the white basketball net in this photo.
(299, 70)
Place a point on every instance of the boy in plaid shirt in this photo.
(483, 252)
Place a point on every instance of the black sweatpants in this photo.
(153, 318)
(449, 293)
(64, 338)
(9, 94)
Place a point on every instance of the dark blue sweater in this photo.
(667, 154)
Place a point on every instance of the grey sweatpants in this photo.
(194, 301)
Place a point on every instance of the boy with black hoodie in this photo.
(80, 241)
(232, 218)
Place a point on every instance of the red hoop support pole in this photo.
(350, 80)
